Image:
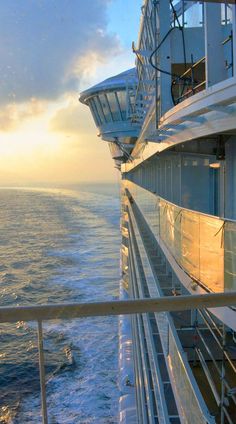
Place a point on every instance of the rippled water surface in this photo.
(59, 246)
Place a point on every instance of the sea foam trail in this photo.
(60, 246)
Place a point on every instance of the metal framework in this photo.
(151, 272)
(80, 310)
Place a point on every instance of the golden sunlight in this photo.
(54, 143)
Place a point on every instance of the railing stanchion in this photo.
(42, 374)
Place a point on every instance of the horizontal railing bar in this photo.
(193, 66)
(229, 38)
(181, 209)
(119, 307)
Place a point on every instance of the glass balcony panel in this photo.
(185, 384)
(230, 256)
(211, 252)
(170, 230)
(190, 254)
(203, 245)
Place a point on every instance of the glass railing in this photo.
(203, 245)
(189, 397)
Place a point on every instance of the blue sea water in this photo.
(60, 245)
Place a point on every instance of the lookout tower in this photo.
(112, 106)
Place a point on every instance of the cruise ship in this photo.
(170, 123)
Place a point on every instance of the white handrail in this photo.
(119, 307)
(41, 313)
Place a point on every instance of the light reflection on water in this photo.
(55, 246)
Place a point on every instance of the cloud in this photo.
(49, 46)
(103, 48)
(74, 118)
(12, 114)
(50, 51)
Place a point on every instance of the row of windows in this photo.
(111, 106)
(185, 180)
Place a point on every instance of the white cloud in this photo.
(12, 115)
(46, 44)
(73, 118)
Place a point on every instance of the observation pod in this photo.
(112, 104)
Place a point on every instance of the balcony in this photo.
(204, 246)
(111, 103)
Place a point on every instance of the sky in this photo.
(50, 51)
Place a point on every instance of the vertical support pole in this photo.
(156, 74)
(230, 178)
(215, 63)
(233, 8)
(165, 57)
(127, 99)
(222, 414)
(180, 177)
(195, 336)
(42, 374)
(183, 13)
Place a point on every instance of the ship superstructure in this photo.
(112, 104)
(171, 126)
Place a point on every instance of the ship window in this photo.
(122, 101)
(226, 14)
(114, 106)
(105, 107)
(175, 179)
(193, 16)
(132, 102)
(99, 109)
(94, 112)
(196, 196)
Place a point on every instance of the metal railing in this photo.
(187, 84)
(80, 310)
(192, 403)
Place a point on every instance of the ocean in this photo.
(60, 245)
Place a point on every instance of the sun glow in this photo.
(28, 140)
(45, 134)
(56, 145)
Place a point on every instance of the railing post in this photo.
(42, 374)
(234, 38)
(164, 58)
(222, 397)
(192, 74)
